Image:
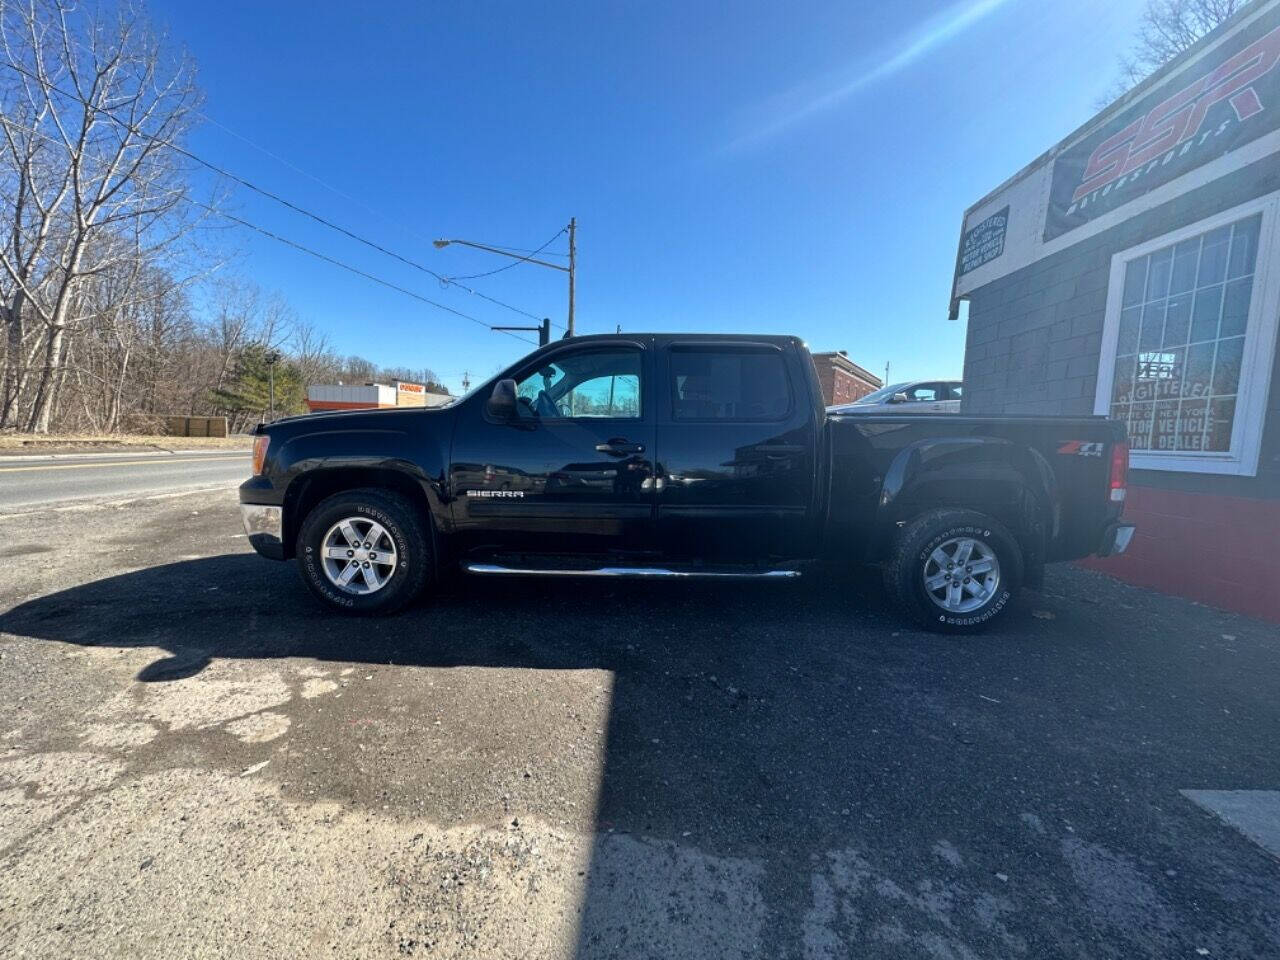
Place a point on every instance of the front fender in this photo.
(355, 449)
(309, 465)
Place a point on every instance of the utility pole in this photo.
(272, 359)
(466, 380)
(573, 256)
(886, 373)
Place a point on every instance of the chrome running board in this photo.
(641, 573)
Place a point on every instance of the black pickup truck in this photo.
(664, 455)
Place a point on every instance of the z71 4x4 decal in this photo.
(1081, 448)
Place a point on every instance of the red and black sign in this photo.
(1223, 102)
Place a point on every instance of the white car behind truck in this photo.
(913, 396)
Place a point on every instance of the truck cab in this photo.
(634, 448)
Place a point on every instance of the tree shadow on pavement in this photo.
(882, 791)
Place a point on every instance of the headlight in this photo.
(260, 444)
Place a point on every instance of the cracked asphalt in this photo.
(195, 761)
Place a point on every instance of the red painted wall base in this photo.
(1222, 551)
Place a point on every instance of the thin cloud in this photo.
(784, 110)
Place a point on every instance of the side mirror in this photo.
(899, 398)
(501, 404)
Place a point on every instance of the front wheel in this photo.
(364, 552)
(954, 571)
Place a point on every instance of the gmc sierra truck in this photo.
(678, 455)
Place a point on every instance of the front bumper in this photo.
(264, 526)
(1116, 539)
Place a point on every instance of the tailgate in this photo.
(1089, 460)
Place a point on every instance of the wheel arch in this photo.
(311, 488)
(1009, 482)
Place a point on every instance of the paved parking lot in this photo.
(196, 761)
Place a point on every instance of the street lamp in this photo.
(570, 269)
(543, 330)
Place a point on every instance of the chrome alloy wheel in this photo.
(961, 574)
(358, 555)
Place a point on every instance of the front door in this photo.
(573, 474)
(737, 453)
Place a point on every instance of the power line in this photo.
(546, 253)
(356, 270)
(298, 246)
(519, 260)
(284, 161)
(222, 171)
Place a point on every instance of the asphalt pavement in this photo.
(34, 481)
(196, 761)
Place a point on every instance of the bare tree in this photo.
(312, 353)
(110, 312)
(92, 104)
(1167, 28)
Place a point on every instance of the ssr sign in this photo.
(1225, 101)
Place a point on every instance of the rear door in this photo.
(955, 392)
(737, 452)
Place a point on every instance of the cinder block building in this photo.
(1133, 271)
(842, 380)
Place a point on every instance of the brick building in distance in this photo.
(1133, 271)
(842, 380)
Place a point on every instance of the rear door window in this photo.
(729, 383)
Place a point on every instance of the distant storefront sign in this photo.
(1227, 100)
(983, 242)
(410, 394)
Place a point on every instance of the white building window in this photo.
(1188, 342)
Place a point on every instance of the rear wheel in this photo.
(364, 551)
(954, 571)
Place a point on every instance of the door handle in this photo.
(619, 447)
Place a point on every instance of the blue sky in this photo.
(756, 166)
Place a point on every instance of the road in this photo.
(32, 482)
(196, 761)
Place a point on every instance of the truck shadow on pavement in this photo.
(883, 791)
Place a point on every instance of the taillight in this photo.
(260, 444)
(1119, 471)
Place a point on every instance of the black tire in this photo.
(403, 525)
(905, 570)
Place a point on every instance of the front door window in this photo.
(600, 384)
